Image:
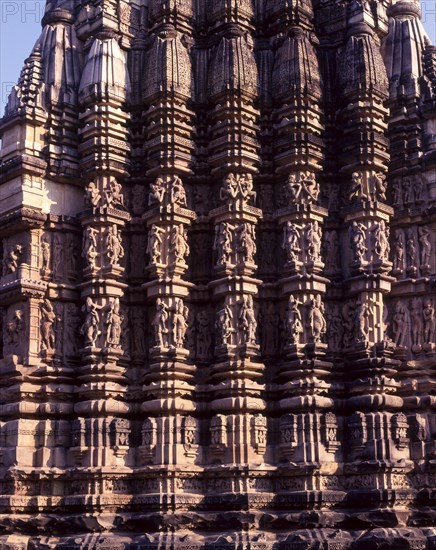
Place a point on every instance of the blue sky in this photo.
(20, 24)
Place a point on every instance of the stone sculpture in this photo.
(331, 251)
(301, 188)
(247, 323)
(91, 328)
(58, 256)
(179, 248)
(412, 251)
(114, 248)
(15, 326)
(159, 324)
(113, 322)
(291, 241)
(224, 325)
(317, 321)
(180, 323)
(12, 259)
(313, 241)
(45, 257)
(48, 318)
(269, 323)
(381, 241)
(429, 322)
(293, 322)
(154, 246)
(157, 192)
(178, 193)
(113, 195)
(363, 315)
(239, 186)
(417, 322)
(92, 196)
(357, 190)
(245, 242)
(398, 263)
(223, 244)
(425, 245)
(90, 247)
(400, 324)
(357, 234)
(204, 337)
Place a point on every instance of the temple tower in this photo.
(217, 291)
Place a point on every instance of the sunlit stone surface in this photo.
(217, 292)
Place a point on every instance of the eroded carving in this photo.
(247, 323)
(113, 321)
(91, 327)
(90, 247)
(12, 259)
(114, 247)
(291, 242)
(48, 319)
(160, 324)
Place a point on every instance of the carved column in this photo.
(235, 379)
(104, 150)
(369, 364)
(23, 212)
(167, 380)
(411, 192)
(302, 372)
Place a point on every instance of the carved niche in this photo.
(218, 434)
(190, 436)
(288, 435)
(147, 448)
(400, 429)
(258, 433)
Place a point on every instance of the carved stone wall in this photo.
(217, 290)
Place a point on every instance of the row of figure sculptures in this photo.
(235, 189)
(301, 188)
(189, 329)
(239, 328)
(58, 256)
(172, 192)
(110, 326)
(59, 327)
(242, 328)
(110, 198)
(302, 243)
(412, 250)
(170, 324)
(372, 188)
(408, 191)
(234, 243)
(59, 253)
(351, 323)
(175, 236)
(112, 246)
(414, 323)
(369, 244)
(305, 244)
